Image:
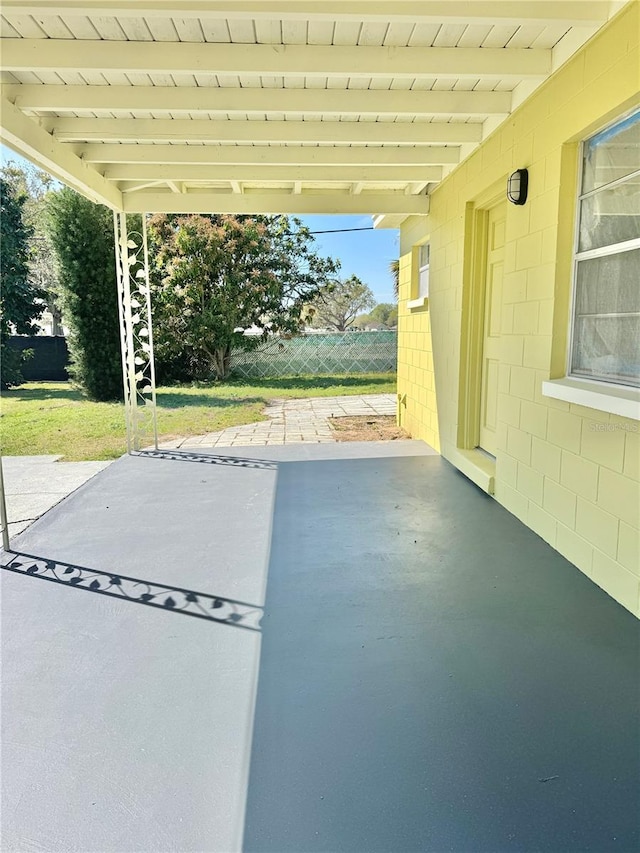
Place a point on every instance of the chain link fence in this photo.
(341, 352)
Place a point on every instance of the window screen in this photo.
(423, 271)
(606, 308)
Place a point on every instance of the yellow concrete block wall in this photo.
(570, 473)
(417, 410)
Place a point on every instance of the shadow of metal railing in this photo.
(172, 599)
(189, 456)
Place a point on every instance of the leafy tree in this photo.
(216, 276)
(81, 233)
(36, 185)
(20, 301)
(385, 313)
(340, 302)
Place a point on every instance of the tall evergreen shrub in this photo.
(82, 236)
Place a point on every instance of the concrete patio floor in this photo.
(379, 658)
(33, 484)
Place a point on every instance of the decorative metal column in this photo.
(136, 334)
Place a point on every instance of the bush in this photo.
(11, 362)
(82, 237)
(186, 365)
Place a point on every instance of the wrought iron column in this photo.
(136, 334)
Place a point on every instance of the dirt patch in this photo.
(367, 428)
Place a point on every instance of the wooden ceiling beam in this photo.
(54, 55)
(302, 203)
(193, 130)
(316, 102)
(518, 12)
(27, 138)
(290, 156)
(257, 173)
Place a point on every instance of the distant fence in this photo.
(50, 357)
(342, 352)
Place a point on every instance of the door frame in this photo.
(476, 221)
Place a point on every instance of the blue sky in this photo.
(363, 253)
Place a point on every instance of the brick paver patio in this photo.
(292, 422)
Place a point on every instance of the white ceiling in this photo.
(272, 106)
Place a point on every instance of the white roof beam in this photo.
(194, 130)
(416, 188)
(256, 173)
(273, 203)
(27, 138)
(291, 155)
(389, 220)
(419, 11)
(53, 55)
(142, 186)
(168, 99)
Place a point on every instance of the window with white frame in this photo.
(423, 271)
(606, 305)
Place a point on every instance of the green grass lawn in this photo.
(53, 417)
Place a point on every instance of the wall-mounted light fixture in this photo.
(517, 186)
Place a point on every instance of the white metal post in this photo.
(136, 336)
(121, 279)
(152, 367)
(3, 512)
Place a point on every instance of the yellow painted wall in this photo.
(417, 410)
(568, 472)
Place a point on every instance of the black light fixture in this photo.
(517, 186)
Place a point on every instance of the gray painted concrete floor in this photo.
(429, 675)
(33, 484)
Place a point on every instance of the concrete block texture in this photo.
(597, 85)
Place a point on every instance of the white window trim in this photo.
(620, 400)
(420, 302)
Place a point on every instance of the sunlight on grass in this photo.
(53, 417)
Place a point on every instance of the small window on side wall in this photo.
(423, 271)
(605, 343)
